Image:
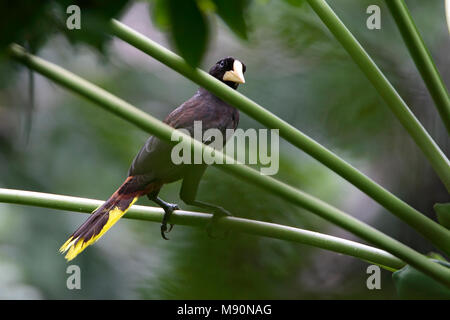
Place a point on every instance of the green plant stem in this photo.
(427, 227)
(422, 58)
(430, 149)
(159, 129)
(189, 218)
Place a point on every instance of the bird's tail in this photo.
(104, 217)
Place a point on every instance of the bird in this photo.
(152, 167)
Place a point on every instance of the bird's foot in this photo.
(218, 213)
(168, 209)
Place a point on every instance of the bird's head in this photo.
(230, 71)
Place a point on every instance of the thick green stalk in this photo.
(430, 149)
(189, 218)
(427, 227)
(161, 130)
(422, 58)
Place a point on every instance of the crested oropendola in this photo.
(153, 167)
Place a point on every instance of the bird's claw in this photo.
(168, 211)
(164, 230)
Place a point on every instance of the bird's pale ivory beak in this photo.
(236, 75)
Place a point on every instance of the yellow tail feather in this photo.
(75, 246)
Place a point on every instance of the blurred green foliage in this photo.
(35, 22)
(186, 20)
(413, 284)
(294, 68)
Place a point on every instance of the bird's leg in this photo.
(217, 211)
(188, 193)
(168, 209)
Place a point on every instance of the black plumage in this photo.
(152, 167)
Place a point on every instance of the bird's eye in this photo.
(222, 63)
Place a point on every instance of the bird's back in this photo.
(154, 158)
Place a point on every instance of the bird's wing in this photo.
(207, 108)
(154, 159)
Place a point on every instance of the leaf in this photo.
(189, 30)
(232, 13)
(95, 17)
(32, 27)
(443, 213)
(159, 14)
(40, 20)
(413, 284)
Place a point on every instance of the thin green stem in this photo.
(430, 149)
(427, 227)
(189, 218)
(161, 130)
(422, 58)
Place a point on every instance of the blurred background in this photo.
(67, 145)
